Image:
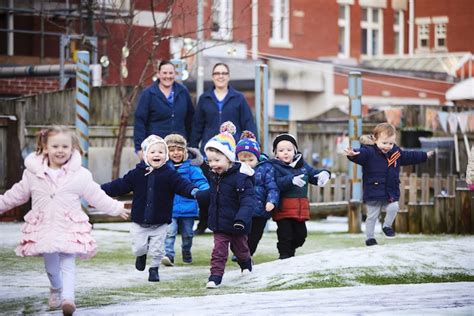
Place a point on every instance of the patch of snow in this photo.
(411, 299)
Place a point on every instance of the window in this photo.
(280, 22)
(344, 30)
(371, 32)
(440, 36)
(282, 111)
(398, 32)
(222, 19)
(423, 34)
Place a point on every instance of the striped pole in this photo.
(261, 105)
(82, 103)
(355, 131)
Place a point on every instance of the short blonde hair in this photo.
(384, 128)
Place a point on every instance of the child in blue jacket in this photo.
(184, 210)
(266, 189)
(231, 199)
(381, 160)
(154, 184)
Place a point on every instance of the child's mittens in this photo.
(239, 225)
(298, 180)
(323, 178)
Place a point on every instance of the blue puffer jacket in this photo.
(381, 172)
(182, 206)
(266, 188)
(208, 118)
(231, 198)
(154, 116)
(153, 194)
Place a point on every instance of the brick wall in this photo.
(28, 85)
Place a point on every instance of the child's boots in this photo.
(68, 307)
(246, 266)
(153, 275)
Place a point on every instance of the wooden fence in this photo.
(427, 205)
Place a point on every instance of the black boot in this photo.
(187, 257)
(245, 265)
(153, 275)
(140, 262)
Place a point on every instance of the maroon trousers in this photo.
(220, 252)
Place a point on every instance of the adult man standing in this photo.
(164, 108)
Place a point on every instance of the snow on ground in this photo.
(449, 255)
(413, 299)
(455, 255)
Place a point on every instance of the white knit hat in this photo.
(148, 142)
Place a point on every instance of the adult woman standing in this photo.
(164, 108)
(219, 104)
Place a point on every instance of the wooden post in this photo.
(450, 214)
(439, 216)
(427, 218)
(355, 217)
(414, 218)
(401, 221)
(463, 211)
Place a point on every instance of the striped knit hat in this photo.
(224, 141)
(248, 142)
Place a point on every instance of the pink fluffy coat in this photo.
(56, 222)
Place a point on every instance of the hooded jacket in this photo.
(153, 192)
(182, 206)
(294, 203)
(56, 221)
(381, 172)
(231, 198)
(154, 116)
(266, 188)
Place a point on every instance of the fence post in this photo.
(261, 105)
(463, 211)
(355, 171)
(82, 103)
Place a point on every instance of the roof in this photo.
(445, 63)
(464, 90)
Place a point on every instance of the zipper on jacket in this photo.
(219, 178)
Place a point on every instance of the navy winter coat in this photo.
(154, 116)
(182, 206)
(208, 118)
(266, 188)
(153, 194)
(231, 198)
(381, 172)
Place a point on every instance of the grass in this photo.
(191, 279)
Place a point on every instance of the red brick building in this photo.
(309, 45)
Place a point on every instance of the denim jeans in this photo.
(185, 225)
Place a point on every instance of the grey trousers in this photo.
(373, 211)
(149, 240)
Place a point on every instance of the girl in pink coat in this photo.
(56, 227)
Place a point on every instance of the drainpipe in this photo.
(10, 34)
(411, 26)
(40, 70)
(254, 29)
